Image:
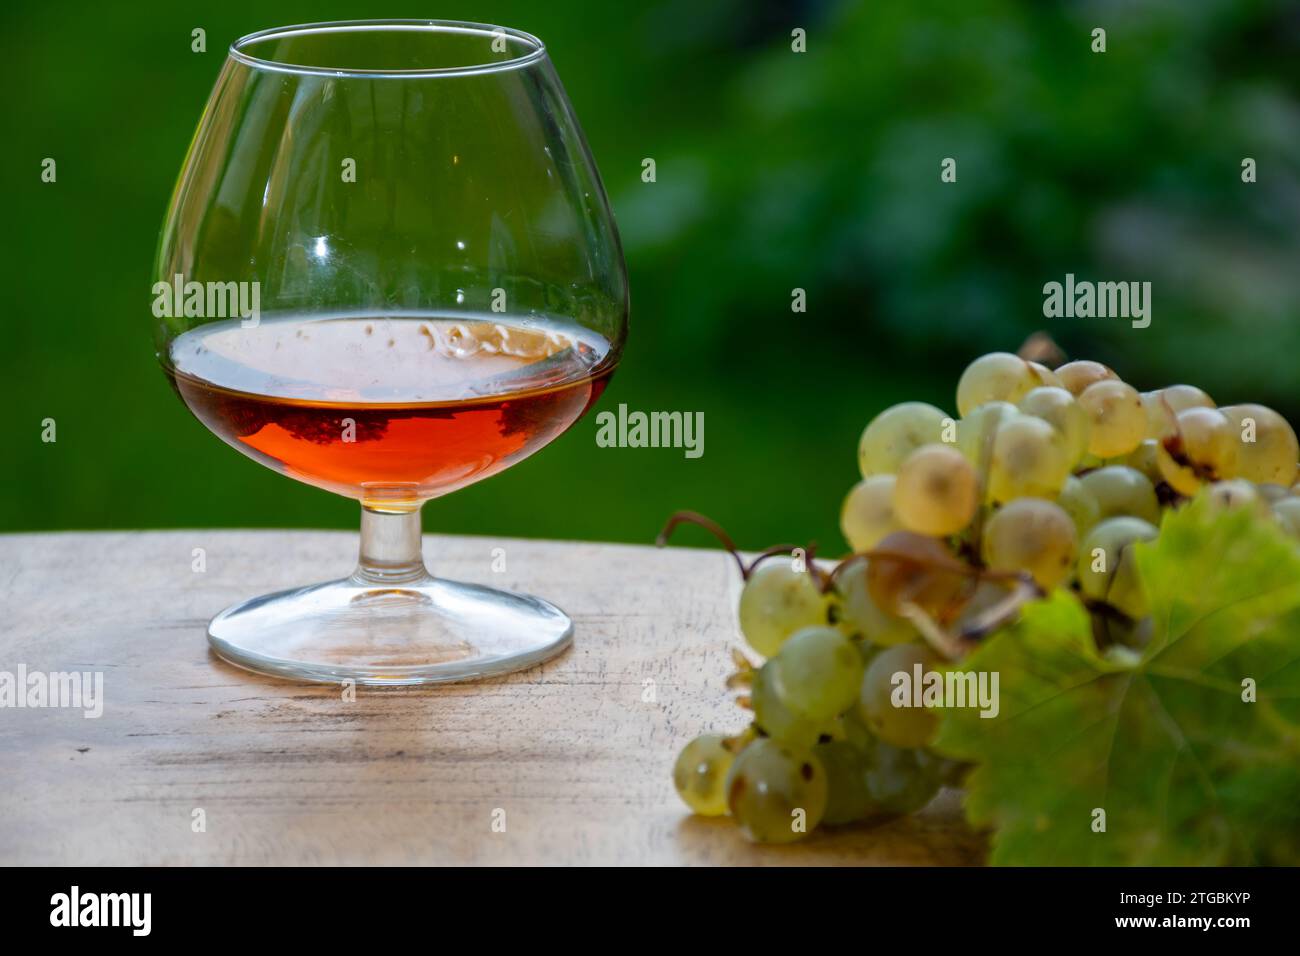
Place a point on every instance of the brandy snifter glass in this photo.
(389, 270)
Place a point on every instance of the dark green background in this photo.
(775, 170)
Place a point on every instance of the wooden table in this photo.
(577, 753)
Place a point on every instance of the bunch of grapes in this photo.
(1046, 481)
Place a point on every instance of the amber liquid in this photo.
(389, 410)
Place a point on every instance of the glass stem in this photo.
(390, 548)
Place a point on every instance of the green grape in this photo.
(1119, 422)
(905, 725)
(860, 616)
(902, 780)
(898, 780)
(1058, 408)
(974, 431)
(700, 774)
(1287, 514)
(775, 602)
(847, 798)
(1120, 490)
(1146, 459)
(1236, 493)
(776, 792)
(1044, 376)
(1163, 405)
(1107, 570)
(1032, 535)
(854, 728)
(996, 377)
(775, 719)
(1077, 376)
(1203, 447)
(1080, 505)
(1272, 455)
(817, 673)
(937, 491)
(897, 432)
(1029, 460)
(868, 514)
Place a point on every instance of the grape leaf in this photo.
(1187, 772)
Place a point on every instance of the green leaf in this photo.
(1187, 772)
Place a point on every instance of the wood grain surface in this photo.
(575, 756)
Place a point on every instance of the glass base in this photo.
(414, 632)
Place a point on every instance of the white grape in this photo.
(1029, 461)
(975, 431)
(1146, 459)
(902, 726)
(897, 432)
(847, 797)
(1163, 405)
(1032, 535)
(1274, 451)
(937, 491)
(1075, 377)
(817, 673)
(868, 514)
(902, 779)
(773, 718)
(1119, 422)
(767, 787)
(1203, 447)
(1080, 505)
(1058, 408)
(1234, 493)
(775, 602)
(1107, 567)
(700, 774)
(996, 377)
(1120, 490)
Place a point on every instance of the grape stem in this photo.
(993, 618)
(1042, 348)
(943, 642)
(715, 529)
(951, 646)
(1003, 612)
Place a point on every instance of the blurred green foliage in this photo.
(775, 170)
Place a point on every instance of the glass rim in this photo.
(536, 53)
